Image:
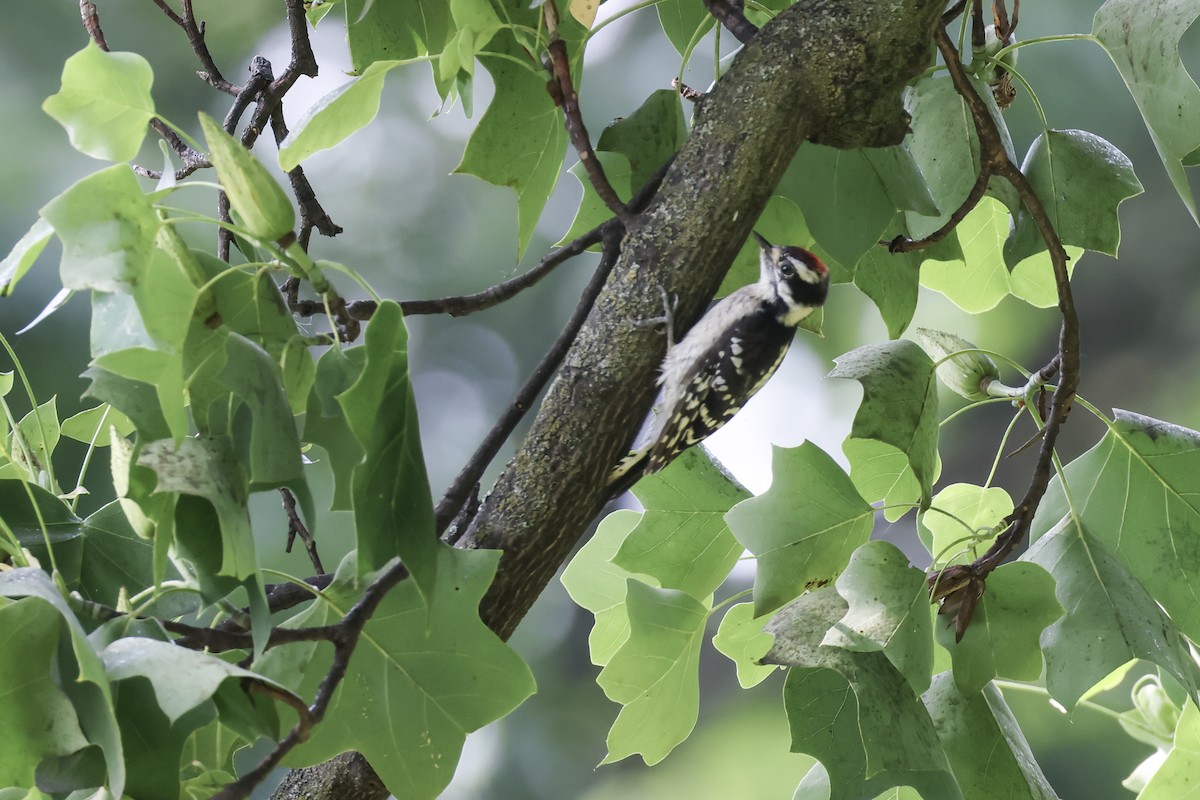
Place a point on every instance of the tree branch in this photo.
(957, 585)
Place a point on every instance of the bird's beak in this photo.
(763, 243)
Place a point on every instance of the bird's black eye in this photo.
(786, 269)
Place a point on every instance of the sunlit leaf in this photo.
(655, 674)
(336, 116)
(682, 540)
(742, 639)
(104, 102)
(899, 405)
(804, 528)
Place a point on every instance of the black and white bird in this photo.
(725, 358)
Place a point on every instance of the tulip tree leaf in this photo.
(104, 102)
(682, 540)
(987, 751)
(1142, 39)
(889, 611)
(804, 528)
(854, 712)
(594, 582)
(426, 672)
(1081, 180)
(1002, 639)
(899, 405)
(520, 142)
(335, 116)
(1111, 616)
(741, 638)
(655, 675)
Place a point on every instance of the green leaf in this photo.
(980, 282)
(154, 764)
(1142, 39)
(393, 510)
(740, 637)
(107, 228)
(207, 468)
(854, 712)
(182, 679)
(1002, 639)
(23, 254)
(1137, 492)
(901, 178)
(804, 528)
(881, 473)
(259, 200)
(648, 136)
(163, 371)
(1111, 616)
(381, 30)
(681, 19)
(42, 722)
(426, 673)
(520, 142)
(597, 584)
(104, 102)
(95, 425)
(325, 422)
(252, 376)
(891, 280)
(1081, 180)
(981, 509)
(655, 675)
(888, 611)
(682, 540)
(842, 197)
(1032, 280)
(113, 557)
(82, 679)
(987, 751)
(899, 405)
(335, 116)
(1176, 777)
(40, 432)
(136, 399)
(946, 149)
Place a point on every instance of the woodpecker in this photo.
(725, 358)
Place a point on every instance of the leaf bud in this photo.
(257, 197)
(964, 373)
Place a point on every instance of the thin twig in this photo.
(732, 16)
(296, 527)
(459, 491)
(957, 585)
(564, 94)
(91, 23)
(903, 244)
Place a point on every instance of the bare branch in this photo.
(564, 95)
